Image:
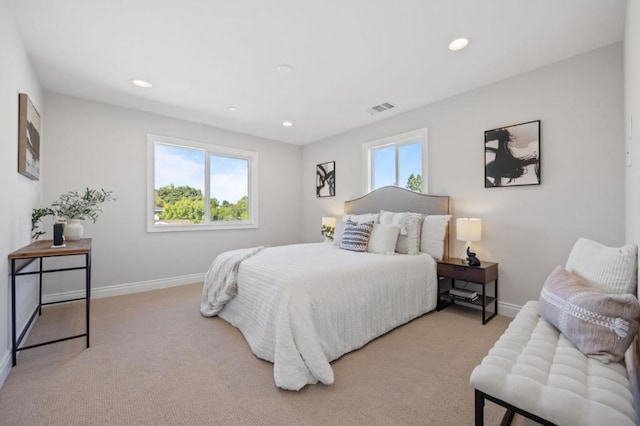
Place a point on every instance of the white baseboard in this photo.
(120, 289)
(508, 309)
(5, 364)
(5, 367)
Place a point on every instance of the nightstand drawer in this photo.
(465, 272)
(461, 272)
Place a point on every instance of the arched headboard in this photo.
(395, 199)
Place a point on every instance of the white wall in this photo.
(19, 194)
(528, 230)
(96, 145)
(632, 108)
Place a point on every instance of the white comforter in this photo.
(303, 306)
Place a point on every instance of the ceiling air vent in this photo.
(380, 108)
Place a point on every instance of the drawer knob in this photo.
(459, 268)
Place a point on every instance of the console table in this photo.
(38, 250)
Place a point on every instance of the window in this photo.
(399, 160)
(194, 186)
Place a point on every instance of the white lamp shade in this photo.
(329, 221)
(468, 229)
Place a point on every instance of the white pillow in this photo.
(361, 218)
(383, 238)
(434, 231)
(611, 269)
(411, 224)
(398, 219)
(338, 232)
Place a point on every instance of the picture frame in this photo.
(326, 179)
(512, 155)
(28, 138)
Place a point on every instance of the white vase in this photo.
(73, 230)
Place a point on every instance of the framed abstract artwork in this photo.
(326, 179)
(512, 155)
(28, 138)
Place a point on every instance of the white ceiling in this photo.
(203, 56)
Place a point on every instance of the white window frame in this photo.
(209, 149)
(413, 136)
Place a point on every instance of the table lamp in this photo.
(468, 229)
(328, 226)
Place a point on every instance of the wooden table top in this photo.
(43, 248)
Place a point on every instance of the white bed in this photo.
(303, 306)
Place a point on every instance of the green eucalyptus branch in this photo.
(36, 215)
(72, 205)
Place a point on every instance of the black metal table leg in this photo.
(13, 314)
(484, 303)
(496, 293)
(88, 291)
(40, 287)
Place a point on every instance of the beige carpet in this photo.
(154, 360)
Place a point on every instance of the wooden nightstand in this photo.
(457, 269)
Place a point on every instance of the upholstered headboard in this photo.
(395, 199)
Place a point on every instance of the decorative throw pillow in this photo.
(359, 218)
(383, 238)
(434, 231)
(338, 232)
(601, 325)
(410, 227)
(356, 236)
(610, 269)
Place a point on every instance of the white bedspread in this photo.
(303, 306)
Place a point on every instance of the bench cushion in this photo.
(535, 368)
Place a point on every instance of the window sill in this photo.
(202, 227)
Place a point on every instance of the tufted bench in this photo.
(535, 371)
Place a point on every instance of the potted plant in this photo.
(73, 207)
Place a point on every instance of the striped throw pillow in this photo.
(356, 236)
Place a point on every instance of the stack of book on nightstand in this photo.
(463, 294)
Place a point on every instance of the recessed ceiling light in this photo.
(458, 44)
(141, 83)
(232, 108)
(287, 123)
(284, 68)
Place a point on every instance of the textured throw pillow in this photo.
(359, 218)
(356, 236)
(338, 232)
(383, 238)
(434, 231)
(410, 227)
(601, 325)
(610, 269)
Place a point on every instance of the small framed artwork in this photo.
(512, 155)
(326, 179)
(28, 138)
